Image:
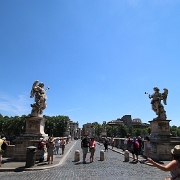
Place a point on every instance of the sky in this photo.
(98, 57)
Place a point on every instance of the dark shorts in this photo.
(135, 151)
(92, 150)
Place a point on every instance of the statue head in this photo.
(156, 89)
(165, 90)
(41, 84)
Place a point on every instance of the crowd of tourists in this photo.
(135, 146)
(51, 146)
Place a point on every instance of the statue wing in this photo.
(164, 96)
(32, 90)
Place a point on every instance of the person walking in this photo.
(2, 143)
(147, 146)
(106, 144)
(112, 142)
(125, 143)
(50, 149)
(140, 144)
(84, 146)
(173, 166)
(63, 144)
(92, 146)
(57, 144)
(135, 149)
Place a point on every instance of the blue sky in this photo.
(98, 57)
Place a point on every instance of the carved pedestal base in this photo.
(35, 126)
(34, 131)
(161, 143)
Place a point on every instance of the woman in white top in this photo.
(57, 144)
(147, 146)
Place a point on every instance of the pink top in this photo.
(92, 144)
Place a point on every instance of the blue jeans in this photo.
(42, 154)
(57, 149)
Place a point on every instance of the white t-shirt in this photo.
(57, 143)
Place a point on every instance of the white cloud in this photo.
(73, 110)
(12, 105)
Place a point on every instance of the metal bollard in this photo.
(126, 156)
(77, 156)
(102, 155)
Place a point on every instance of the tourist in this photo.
(135, 149)
(140, 145)
(42, 147)
(92, 146)
(173, 166)
(129, 144)
(57, 144)
(3, 144)
(50, 149)
(147, 146)
(125, 143)
(112, 142)
(63, 144)
(106, 144)
(84, 146)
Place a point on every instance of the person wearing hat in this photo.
(173, 166)
(50, 149)
(2, 142)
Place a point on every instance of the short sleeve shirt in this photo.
(85, 142)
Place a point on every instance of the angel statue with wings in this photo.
(40, 98)
(157, 106)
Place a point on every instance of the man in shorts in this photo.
(84, 146)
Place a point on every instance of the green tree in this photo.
(98, 129)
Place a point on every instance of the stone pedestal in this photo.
(35, 126)
(34, 131)
(160, 139)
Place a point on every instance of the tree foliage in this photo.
(15, 126)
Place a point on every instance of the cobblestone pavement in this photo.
(112, 168)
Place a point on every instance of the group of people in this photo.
(136, 145)
(52, 147)
(88, 145)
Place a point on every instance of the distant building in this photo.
(127, 120)
(137, 123)
(88, 129)
(74, 129)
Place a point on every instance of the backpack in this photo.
(136, 144)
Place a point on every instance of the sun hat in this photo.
(176, 150)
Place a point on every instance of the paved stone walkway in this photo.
(112, 168)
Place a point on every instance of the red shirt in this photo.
(92, 144)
